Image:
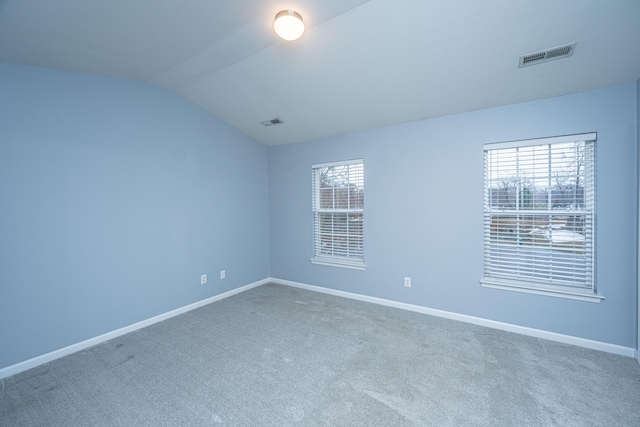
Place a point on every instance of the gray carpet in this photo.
(281, 356)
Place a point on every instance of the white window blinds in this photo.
(539, 204)
(338, 214)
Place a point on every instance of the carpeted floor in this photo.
(281, 356)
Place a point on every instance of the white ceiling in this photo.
(360, 64)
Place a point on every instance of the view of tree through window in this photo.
(339, 211)
(539, 205)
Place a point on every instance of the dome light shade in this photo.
(288, 25)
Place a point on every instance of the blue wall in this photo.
(115, 196)
(423, 212)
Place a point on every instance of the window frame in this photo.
(495, 274)
(352, 262)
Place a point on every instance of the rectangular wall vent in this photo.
(272, 122)
(547, 55)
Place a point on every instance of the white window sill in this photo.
(559, 293)
(339, 262)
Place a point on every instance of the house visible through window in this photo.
(539, 225)
(338, 214)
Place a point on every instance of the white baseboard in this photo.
(552, 336)
(56, 354)
(537, 333)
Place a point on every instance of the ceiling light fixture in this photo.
(288, 24)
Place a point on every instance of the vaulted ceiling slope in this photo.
(360, 64)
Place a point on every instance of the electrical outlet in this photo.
(407, 282)
(223, 274)
(203, 279)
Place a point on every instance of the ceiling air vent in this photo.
(272, 122)
(547, 55)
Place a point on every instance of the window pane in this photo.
(341, 197)
(326, 198)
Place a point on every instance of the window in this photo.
(539, 204)
(338, 214)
